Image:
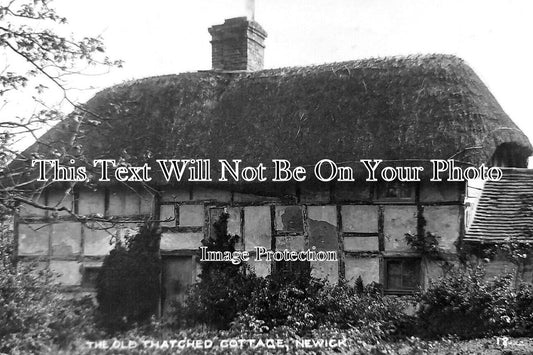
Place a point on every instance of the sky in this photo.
(170, 36)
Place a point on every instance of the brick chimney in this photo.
(238, 44)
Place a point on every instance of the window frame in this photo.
(290, 268)
(402, 290)
(383, 186)
(84, 283)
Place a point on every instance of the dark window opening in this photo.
(402, 275)
(90, 274)
(294, 269)
(396, 191)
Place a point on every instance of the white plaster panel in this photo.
(323, 213)
(328, 270)
(257, 227)
(91, 202)
(445, 222)
(96, 242)
(167, 212)
(177, 241)
(124, 203)
(292, 243)
(147, 202)
(361, 244)
(399, 220)
(360, 218)
(367, 268)
(234, 221)
(33, 239)
(69, 272)
(66, 238)
(191, 215)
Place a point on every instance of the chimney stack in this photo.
(238, 44)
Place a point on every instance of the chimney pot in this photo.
(238, 44)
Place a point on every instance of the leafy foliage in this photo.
(523, 306)
(220, 242)
(465, 304)
(38, 58)
(302, 306)
(128, 285)
(427, 245)
(517, 251)
(35, 316)
(223, 290)
(27, 33)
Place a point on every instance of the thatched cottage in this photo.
(401, 110)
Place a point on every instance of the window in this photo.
(293, 268)
(395, 191)
(88, 279)
(402, 275)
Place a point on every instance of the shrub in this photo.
(214, 303)
(282, 300)
(344, 307)
(128, 286)
(35, 316)
(463, 303)
(223, 291)
(523, 323)
(304, 305)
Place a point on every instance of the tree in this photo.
(128, 286)
(224, 289)
(39, 59)
(35, 61)
(34, 318)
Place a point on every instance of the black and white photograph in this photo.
(266, 177)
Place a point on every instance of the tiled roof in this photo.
(505, 209)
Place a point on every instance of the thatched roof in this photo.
(420, 107)
(505, 209)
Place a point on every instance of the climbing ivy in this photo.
(425, 244)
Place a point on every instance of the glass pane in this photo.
(410, 273)
(89, 277)
(394, 282)
(395, 190)
(394, 267)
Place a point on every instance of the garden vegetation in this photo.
(230, 301)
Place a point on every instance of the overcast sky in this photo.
(170, 36)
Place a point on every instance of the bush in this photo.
(128, 286)
(344, 307)
(214, 303)
(304, 305)
(223, 291)
(35, 316)
(523, 323)
(463, 303)
(281, 300)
